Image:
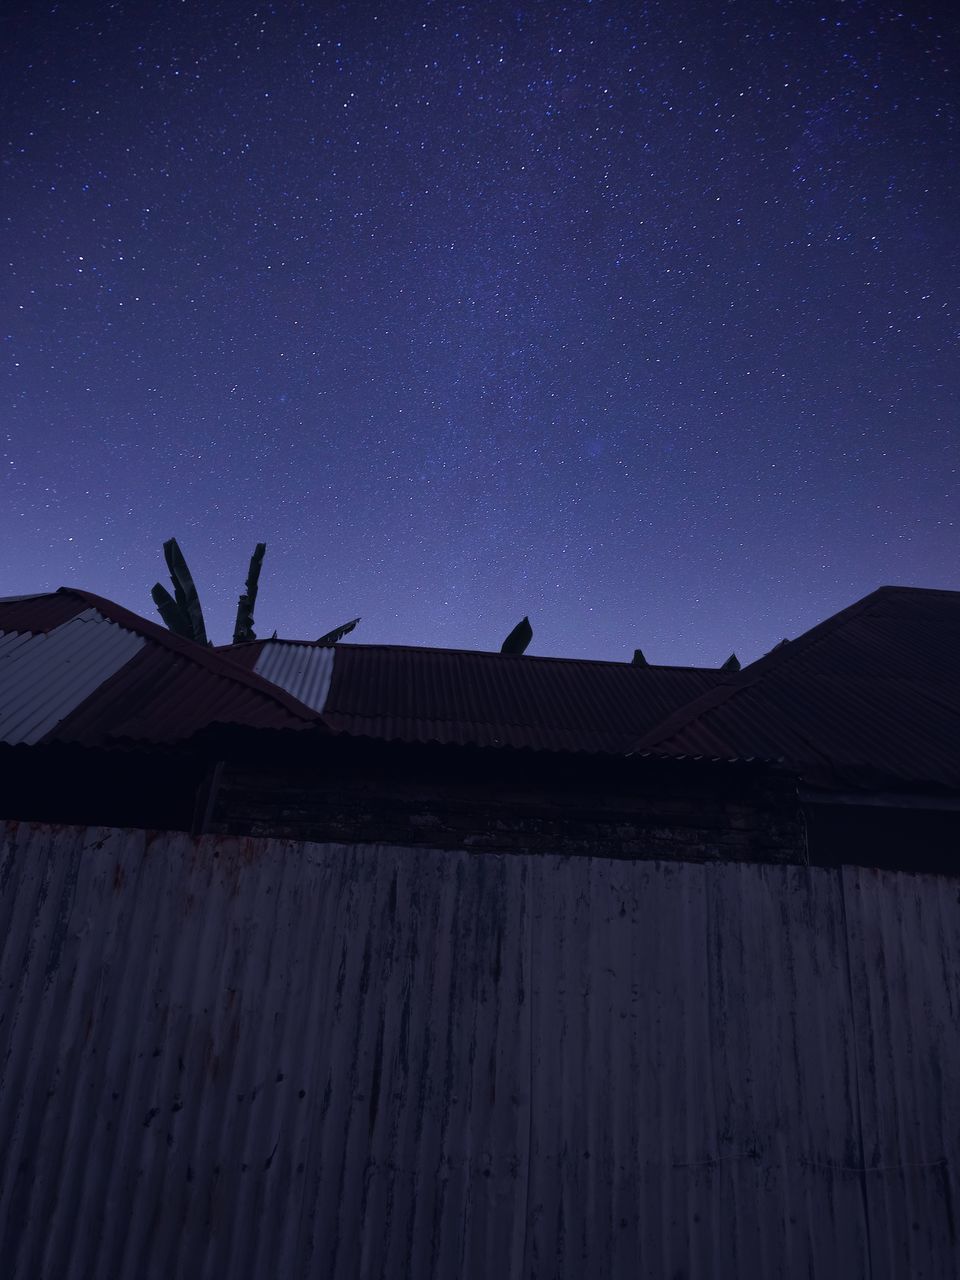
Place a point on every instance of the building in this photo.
(372, 961)
(845, 737)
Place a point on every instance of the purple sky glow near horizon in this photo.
(641, 320)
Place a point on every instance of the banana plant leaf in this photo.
(519, 637)
(338, 633)
(185, 591)
(243, 627)
(731, 664)
(174, 619)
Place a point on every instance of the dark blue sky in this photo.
(640, 319)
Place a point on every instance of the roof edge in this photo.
(470, 653)
(784, 653)
(755, 671)
(208, 658)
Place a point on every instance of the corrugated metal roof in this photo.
(494, 699)
(252, 1059)
(105, 674)
(164, 697)
(49, 676)
(469, 698)
(33, 615)
(304, 670)
(247, 654)
(12, 640)
(869, 698)
(174, 688)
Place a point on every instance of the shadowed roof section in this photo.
(77, 668)
(38, 614)
(868, 699)
(469, 698)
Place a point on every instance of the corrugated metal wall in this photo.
(245, 1058)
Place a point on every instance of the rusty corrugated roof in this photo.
(471, 698)
(869, 698)
(254, 1059)
(77, 668)
(36, 614)
(501, 699)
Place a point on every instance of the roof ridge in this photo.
(784, 652)
(755, 671)
(754, 674)
(918, 591)
(202, 656)
(473, 653)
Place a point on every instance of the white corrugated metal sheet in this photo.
(304, 670)
(10, 641)
(249, 1058)
(45, 677)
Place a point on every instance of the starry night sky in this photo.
(639, 319)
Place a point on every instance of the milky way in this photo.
(640, 320)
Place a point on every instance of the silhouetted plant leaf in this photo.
(182, 614)
(174, 619)
(185, 591)
(338, 632)
(243, 627)
(519, 637)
